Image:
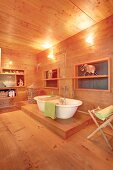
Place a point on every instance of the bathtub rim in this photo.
(37, 98)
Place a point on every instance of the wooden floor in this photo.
(8, 109)
(25, 144)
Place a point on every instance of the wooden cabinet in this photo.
(94, 75)
(51, 78)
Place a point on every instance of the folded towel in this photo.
(104, 113)
(50, 110)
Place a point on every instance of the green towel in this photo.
(104, 113)
(50, 110)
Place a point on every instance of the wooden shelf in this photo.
(81, 89)
(51, 78)
(5, 98)
(11, 74)
(17, 77)
(7, 88)
(12, 81)
(94, 75)
(66, 78)
(51, 88)
(8, 73)
(91, 77)
(12, 87)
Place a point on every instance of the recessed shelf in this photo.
(51, 78)
(10, 81)
(12, 78)
(94, 75)
(4, 98)
(51, 88)
(91, 77)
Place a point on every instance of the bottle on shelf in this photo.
(11, 93)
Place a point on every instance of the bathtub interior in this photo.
(42, 98)
(57, 100)
(69, 102)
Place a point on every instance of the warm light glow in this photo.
(47, 45)
(51, 54)
(42, 44)
(10, 62)
(79, 22)
(83, 22)
(89, 39)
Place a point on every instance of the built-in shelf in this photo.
(91, 77)
(12, 78)
(51, 78)
(13, 71)
(4, 98)
(7, 93)
(14, 87)
(51, 88)
(10, 81)
(94, 75)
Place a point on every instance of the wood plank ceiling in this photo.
(36, 24)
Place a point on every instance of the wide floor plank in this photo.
(25, 144)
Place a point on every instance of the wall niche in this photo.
(94, 75)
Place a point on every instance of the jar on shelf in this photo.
(50, 74)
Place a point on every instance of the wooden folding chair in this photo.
(100, 127)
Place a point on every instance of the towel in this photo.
(50, 110)
(104, 113)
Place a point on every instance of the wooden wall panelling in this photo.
(79, 51)
(100, 80)
(22, 22)
(21, 61)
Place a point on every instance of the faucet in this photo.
(65, 90)
(62, 101)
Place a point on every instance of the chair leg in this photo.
(107, 122)
(99, 127)
(104, 136)
(111, 125)
(106, 140)
(93, 133)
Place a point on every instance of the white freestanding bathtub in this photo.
(65, 108)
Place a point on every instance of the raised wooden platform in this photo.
(63, 128)
(20, 104)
